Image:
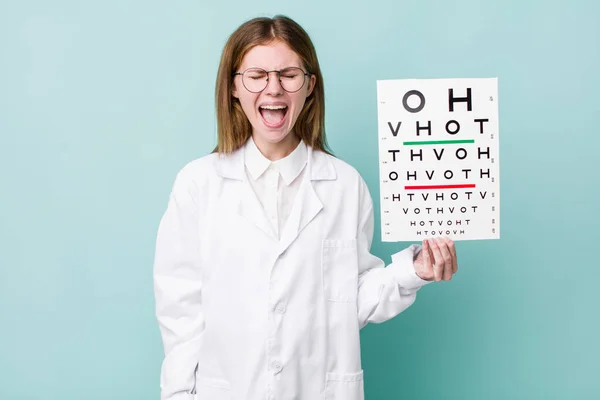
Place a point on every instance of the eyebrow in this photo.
(266, 69)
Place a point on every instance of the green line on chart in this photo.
(439, 142)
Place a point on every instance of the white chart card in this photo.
(438, 159)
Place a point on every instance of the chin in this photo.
(273, 136)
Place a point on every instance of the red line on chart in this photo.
(439, 187)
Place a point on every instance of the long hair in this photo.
(233, 127)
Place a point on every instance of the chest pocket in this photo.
(213, 389)
(339, 266)
(345, 387)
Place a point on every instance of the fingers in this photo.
(452, 249)
(427, 258)
(444, 259)
(448, 264)
(438, 260)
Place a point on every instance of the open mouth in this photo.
(273, 115)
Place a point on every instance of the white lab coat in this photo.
(246, 316)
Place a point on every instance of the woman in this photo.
(263, 271)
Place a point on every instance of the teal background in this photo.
(101, 103)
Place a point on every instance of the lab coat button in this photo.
(277, 367)
(282, 255)
(280, 308)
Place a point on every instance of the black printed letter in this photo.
(419, 95)
(424, 128)
(481, 121)
(452, 99)
(480, 153)
(413, 155)
(454, 132)
(395, 131)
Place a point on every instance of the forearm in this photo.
(383, 293)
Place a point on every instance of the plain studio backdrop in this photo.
(102, 102)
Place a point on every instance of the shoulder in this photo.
(345, 170)
(345, 173)
(345, 176)
(195, 174)
(199, 167)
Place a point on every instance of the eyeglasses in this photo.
(255, 80)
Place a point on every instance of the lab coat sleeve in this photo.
(383, 292)
(177, 288)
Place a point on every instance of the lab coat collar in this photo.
(306, 206)
(232, 165)
(254, 160)
(289, 167)
(292, 165)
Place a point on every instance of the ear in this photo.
(311, 84)
(234, 91)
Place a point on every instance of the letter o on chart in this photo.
(421, 99)
(462, 152)
(456, 127)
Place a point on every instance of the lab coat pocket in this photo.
(340, 270)
(344, 386)
(212, 389)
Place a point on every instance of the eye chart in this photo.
(438, 158)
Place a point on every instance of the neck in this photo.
(277, 151)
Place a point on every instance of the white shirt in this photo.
(275, 183)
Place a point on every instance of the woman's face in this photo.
(272, 112)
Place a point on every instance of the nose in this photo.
(273, 84)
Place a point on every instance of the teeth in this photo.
(273, 107)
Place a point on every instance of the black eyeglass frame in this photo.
(305, 73)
